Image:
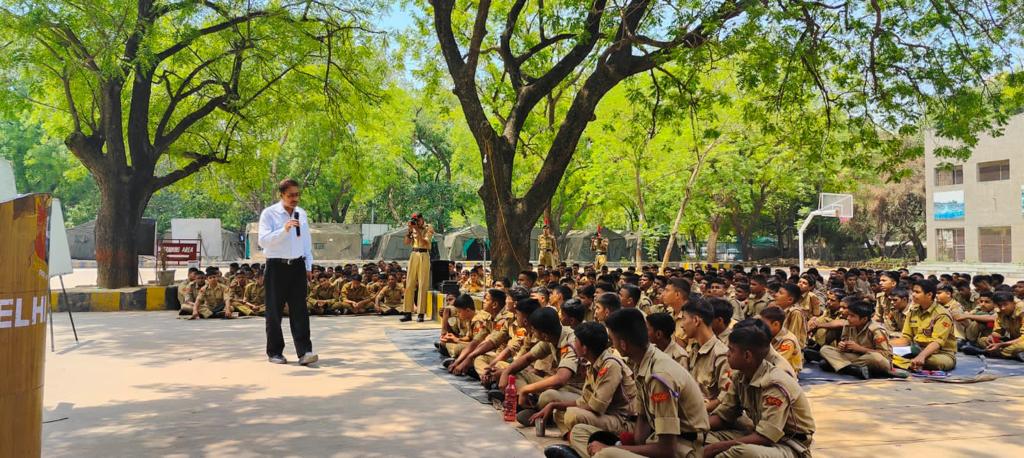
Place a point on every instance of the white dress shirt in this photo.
(280, 243)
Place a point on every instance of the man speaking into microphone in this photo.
(286, 242)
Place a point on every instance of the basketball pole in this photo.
(832, 212)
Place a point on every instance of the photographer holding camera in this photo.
(417, 283)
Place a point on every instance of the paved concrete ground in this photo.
(146, 384)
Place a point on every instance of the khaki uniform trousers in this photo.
(417, 284)
(789, 449)
(875, 362)
(546, 258)
(1006, 352)
(580, 434)
(599, 261)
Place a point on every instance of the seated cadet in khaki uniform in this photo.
(1005, 340)
(796, 320)
(887, 282)
(759, 298)
(707, 364)
(660, 328)
(467, 325)
(391, 297)
(183, 287)
(355, 296)
(322, 298)
(929, 331)
(863, 349)
(605, 304)
(255, 296)
(783, 341)
(563, 379)
(740, 293)
(489, 317)
(237, 287)
(507, 339)
(896, 316)
(828, 328)
(212, 300)
(375, 282)
(722, 317)
(781, 414)
(609, 392)
(188, 306)
(979, 325)
(473, 284)
(944, 296)
(672, 420)
(808, 301)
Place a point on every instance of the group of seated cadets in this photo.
(605, 371)
(375, 288)
(210, 294)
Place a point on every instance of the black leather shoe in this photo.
(970, 349)
(811, 354)
(447, 362)
(860, 372)
(406, 318)
(419, 319)
(523, 417)
(496, 395)
(560, 451)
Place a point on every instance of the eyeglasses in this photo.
(293, 194)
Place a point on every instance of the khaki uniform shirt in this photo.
(933, 324)
(670, 400)
(679, 336)
(424, 241)
(882, 306)
(392, 296)
(255, 293)
(481, 326)
(754, 306)
(505, 331)
(772, 399)
(560, 356)
(322, 293)
(1011, 326)
(545, 242)
(237, 288)
(790, 348)
(709, 366)
(609, 388)
(678, 354)
(214, 296)
(351, 292)
(872, 336)
(192, 292)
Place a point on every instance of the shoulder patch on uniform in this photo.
(660, 397)
(564, 350)
(520, 332)
(772, 401)
(879, 339)
(785, 346)
(600, 373)
(945, 324)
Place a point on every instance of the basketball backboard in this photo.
(841, 204)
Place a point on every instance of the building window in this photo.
(994, 244)
(949, 245)
(994, 171)
(948, 175)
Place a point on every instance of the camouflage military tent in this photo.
(390, 245)
(467, 244)
(577, 246)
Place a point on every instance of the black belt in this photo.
(799, 437)
(692, 437)
(421, 250)
(290, 262)
(545, 249)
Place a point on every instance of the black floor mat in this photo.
(419, 346)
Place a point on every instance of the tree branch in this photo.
(198, 162)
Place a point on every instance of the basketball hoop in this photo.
(829, 206)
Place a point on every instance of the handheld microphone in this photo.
(298, 232)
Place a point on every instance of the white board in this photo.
(60, 251)
(7, 189)
(208, 229)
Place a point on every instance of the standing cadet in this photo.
(672, 420)
(609, 392)
(547, 247)
(599, 245)
(417, 284)
(783, 426)
(863, 349)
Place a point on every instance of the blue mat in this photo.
(966, 367)
(418, 345)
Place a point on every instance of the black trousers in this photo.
(286, 283)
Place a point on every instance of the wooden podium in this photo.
(24, 298)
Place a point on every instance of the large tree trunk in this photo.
(716, 227)
(121, 208)
(510, 243)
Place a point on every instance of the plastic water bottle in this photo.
(511, 399)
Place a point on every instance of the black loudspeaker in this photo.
(449, 287)
(438, 273)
